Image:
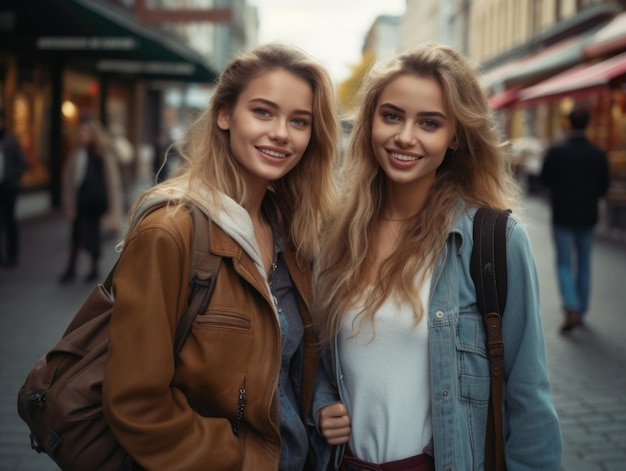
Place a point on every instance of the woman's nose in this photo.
(279, 131)
(406, 136)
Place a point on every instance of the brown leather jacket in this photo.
(177, 415)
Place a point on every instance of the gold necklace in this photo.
(396, 220)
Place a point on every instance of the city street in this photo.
(587, 366)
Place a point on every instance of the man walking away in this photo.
(12, 165)
(577, 174)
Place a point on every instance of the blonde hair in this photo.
(306, 194)
(477, 170)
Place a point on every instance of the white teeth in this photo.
(405, 158)
(272, 153)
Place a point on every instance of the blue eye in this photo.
(300, 122)
(262, 112)
(391, 116)
(430, 124)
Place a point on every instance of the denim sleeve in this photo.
(325, 393)
(532, 431)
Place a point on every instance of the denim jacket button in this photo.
(440, 314)
(444, 393)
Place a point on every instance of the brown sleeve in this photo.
(152, 419)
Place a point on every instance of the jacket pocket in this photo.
(475, 390)
(223, 318)
(471, 335)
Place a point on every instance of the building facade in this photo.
(540, 58)
(383, 38)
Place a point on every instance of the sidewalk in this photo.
(587, 367)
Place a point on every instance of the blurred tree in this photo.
(347, 90)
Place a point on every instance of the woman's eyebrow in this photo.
(421, 113)
(271, 104)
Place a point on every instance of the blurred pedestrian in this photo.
(576, 172)
(12, 165)
(125, 154)
(164, 153)
(259, 163)
(405, 381)
(86, 195)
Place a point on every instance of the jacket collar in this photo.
(224, 245)
(231, 217)
(232, 236)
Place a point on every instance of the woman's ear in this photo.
(223, 119)
(453, 143)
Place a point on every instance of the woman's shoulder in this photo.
(465, 217)
(164, 218)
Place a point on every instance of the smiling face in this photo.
(411, 131)
(270, 125)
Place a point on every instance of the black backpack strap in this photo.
(204, 268)
(488, 270)
(488, 264)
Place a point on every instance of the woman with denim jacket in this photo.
(405, 381)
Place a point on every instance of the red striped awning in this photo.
(502, 99)
(579, 81)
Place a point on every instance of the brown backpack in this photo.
(61, 399)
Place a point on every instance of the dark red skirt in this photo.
(414, 463)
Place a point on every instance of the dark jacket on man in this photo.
(577, 173)
(14, 161)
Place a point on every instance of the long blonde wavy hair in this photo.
(477, 171)
(307, 194)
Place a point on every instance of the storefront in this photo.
(67, 59)
(533, 94)
(602, 86)
(519, 123)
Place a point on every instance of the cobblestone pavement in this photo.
(587, 367)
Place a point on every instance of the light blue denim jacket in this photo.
(460, 383)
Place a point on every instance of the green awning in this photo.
(103, 37)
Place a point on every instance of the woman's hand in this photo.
(335, 423)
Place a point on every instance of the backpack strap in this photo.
(204, 268)
(488, 270)
(203, 273)
(488, 264)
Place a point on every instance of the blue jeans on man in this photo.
(573, 262)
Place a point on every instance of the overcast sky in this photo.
(332, 31)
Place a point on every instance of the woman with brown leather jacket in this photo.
(259, 162)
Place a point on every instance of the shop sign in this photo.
(146, 67)
(91, 43)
